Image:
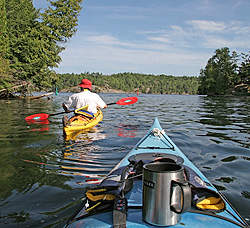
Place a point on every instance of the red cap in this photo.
(86, 84)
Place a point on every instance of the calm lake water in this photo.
(43, 176)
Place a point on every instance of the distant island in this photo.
(132, 82)
(224, 74)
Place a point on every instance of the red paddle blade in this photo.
(37, 117)
(127, 101)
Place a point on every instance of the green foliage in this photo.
(131, 82)
(3, 29)
(21, 20)
(5, 76)
(31, 41)
(61, 18)
(244, 69)
(220, 74)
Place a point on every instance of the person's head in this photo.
(86, 84)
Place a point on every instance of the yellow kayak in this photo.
(80, 123)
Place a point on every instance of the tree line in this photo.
(225, 73)
(131, 82)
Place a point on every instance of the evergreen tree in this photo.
(5, 76)
(3, 29)
(36, 39)
(62, 18)
(244, 69)
(22, 20)
(220, 74)
(59, 23)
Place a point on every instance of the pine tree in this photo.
(244, 69)
(62, 18)
(5, 74)
(220, 74)
(22, 21)
(34, 40)
(3, 29)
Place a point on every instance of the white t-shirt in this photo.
(84, 98)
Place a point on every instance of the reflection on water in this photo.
(38, 125)
(228, 118)
(81, 157)
(39, 167)
(89, 135)
(229, 159)
(125, 130)
(226, 179)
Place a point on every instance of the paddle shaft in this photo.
(111, 103)
(42, 116)
(54, 114)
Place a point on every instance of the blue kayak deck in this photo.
(156, 141)
(134, 219)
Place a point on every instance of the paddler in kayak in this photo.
(85, 98)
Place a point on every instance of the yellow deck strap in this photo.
(89, 209)
(99, 197)
(211, 203)
(82, 110)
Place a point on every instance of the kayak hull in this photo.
(134, 219)
(155, 143)
(80, 125)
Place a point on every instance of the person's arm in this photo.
(101, 103)
(103, 106)
(69, 104)
(65, 108)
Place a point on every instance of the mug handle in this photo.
(180, 197)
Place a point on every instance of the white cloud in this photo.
(177, 49)
(209, 26)
(109, 40)
(218, 42)
(238, 28)
(176, 36)
(177, 29)
(103, 39)
(95, 55)
(204, 34)
(164, 39)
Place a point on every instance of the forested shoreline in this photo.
(225, 73)
(132, 82)
(31, 41)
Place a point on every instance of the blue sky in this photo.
(172, 37)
